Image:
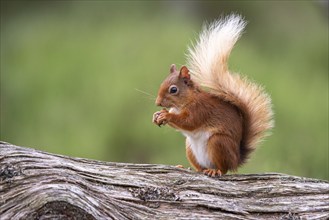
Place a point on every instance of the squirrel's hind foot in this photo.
(212, 172)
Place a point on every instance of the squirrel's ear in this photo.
(173, 68)
(184, 73)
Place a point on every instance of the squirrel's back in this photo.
(208, 63)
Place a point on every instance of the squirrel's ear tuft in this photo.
(184, 73)
(173, 68)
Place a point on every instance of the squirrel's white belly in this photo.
(198, 141)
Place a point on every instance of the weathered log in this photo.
(40, 185)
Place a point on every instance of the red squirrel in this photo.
(223, 115)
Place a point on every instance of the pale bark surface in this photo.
(40, 185)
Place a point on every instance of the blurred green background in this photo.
(71, 72)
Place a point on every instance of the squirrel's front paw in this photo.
(160, 117)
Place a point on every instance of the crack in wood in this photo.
(154, 193)
(60, 210)
(8, 171)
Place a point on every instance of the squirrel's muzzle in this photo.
(158, 101)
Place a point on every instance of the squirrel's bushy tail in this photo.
(208, 63)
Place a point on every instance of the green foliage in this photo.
(71, 71)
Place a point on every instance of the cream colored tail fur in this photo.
(208, 63)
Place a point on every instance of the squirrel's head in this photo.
(176, 90)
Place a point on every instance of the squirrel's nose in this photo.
(158, 102)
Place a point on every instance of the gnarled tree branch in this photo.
(40, 185)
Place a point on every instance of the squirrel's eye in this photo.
(173, 89)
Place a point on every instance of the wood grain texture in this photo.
(40, 185)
